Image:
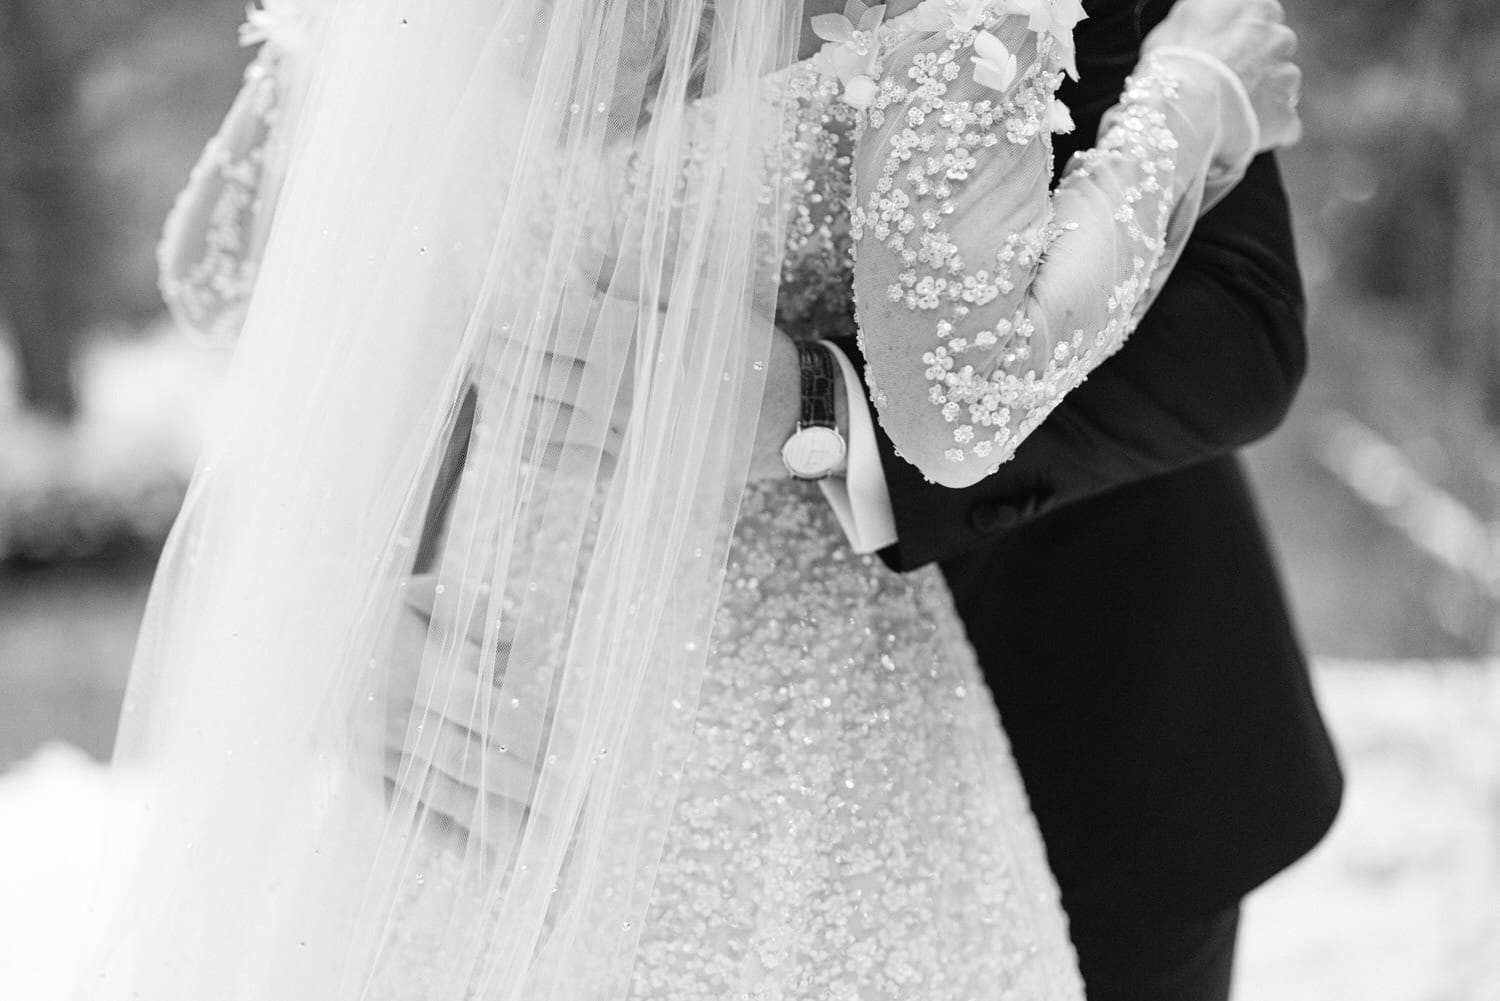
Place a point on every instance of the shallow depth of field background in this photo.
(1382, 490)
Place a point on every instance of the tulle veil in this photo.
(499, 375)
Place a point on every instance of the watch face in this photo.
(813, 452)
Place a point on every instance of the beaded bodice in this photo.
(921, 148)
(817, 282)
(848, 823)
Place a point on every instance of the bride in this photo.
(479, 664)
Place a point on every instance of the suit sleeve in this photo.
(1213, 366)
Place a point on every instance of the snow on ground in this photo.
(60, 812)
(1401, 903)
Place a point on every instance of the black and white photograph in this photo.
(749, 500)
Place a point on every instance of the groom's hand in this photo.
(477, 754)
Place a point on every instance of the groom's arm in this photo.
(1213, 366)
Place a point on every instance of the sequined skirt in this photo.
(850, 825)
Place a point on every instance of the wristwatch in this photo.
(816, 448)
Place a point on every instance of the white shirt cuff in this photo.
(860, 498)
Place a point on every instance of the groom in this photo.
(1119, 591)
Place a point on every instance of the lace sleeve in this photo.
(982, 296)
(216, 231)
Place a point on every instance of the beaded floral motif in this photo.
(992, 375)
(209, 255)
(849, 824)
(283, 24)
(207, 258)
(816, 296)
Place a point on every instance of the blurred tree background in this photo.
(1405, 116)
(1383, 487)
(1381, 490)
(101, 105)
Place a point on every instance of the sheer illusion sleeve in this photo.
(983, 297)
(214, 236)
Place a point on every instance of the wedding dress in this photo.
(842, 816)
(850, 824)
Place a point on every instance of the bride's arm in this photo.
(983, 296)
(214, 236)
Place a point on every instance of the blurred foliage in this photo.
(44, 219)
(102, 107)
(1396, 190)
(1402, 103)
(1403, 111)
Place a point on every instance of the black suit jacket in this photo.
(1116, 582)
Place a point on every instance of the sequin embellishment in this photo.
(993, 370)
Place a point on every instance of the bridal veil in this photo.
(539, 235)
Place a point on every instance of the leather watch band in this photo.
(816, 448)
(818, 385)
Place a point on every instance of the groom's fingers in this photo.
(469, 689)
(503, 744)
(520, 724)
(464, 807)
(469, 771)
(431, 608)
(482, 764)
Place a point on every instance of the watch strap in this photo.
(819, 399)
